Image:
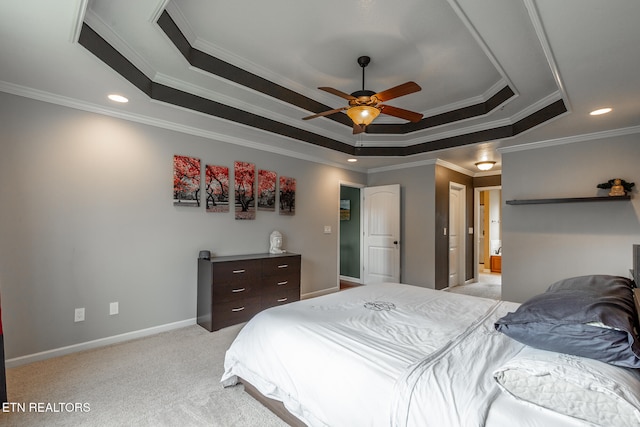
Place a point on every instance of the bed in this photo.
(393, 354)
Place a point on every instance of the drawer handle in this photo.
(282, 299)
(283, 283)
(283, 266)
(238, 271)
(238, 290)
(237, 309)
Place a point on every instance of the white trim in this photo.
(339, 236)
(488, 173)
(483, 45)
(461, 227)
(159, 10)
(476, 227)
(546, 47)
(454, 167)
(121, 45)
(320, 293)
(351, 279)
(78, 21)
(570, 139)
(62, 351)
(164, 124)
(403, 166)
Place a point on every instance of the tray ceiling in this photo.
(495, 74)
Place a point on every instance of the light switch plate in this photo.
(327, 229)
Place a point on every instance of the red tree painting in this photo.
(266, 190)
(186, 181)
(287, 196)
(217, 187)
(245, 178)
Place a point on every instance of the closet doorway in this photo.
(350, 238)
(369, 240)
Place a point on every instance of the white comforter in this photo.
(423, 358)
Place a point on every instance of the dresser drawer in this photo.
(286, 296)
(236, 271)
(281, 265)
(233, 312)
(234, 291)
(282, 282)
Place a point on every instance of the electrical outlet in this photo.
(113, 308)
(79, 315)
(327, 229)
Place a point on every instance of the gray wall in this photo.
(86, 218)
(546, 243)
(417, 213)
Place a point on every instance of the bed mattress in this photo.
(381, 355)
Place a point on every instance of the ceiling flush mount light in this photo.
(485, 165)
(352, 160)
(118, 98)
(600, 111)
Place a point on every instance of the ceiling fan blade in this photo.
(401, 113)
(337, 93)
(395, 92)
(358, 128)
(325, 113)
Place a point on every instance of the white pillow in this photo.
(581, 388)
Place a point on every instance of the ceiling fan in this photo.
(365, 105)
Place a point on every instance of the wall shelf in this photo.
(567, 200)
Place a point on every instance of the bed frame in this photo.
(274, 406)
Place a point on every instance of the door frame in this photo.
(461, 229)
(395, 239)
(360, 187)
(476, 215)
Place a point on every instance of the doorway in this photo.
(350, 241)
(369, 240)
(488, 239)
(457, 248)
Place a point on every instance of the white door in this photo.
(381, 224)
(457, 203)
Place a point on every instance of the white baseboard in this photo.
(320, 293)
(30, 358)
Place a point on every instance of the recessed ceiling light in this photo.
(118, 98)
(600, 111)
(352, 160)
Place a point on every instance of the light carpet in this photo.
(487, 286)
(169, 379)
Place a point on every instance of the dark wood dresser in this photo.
(232, 289)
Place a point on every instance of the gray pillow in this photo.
(588, 316)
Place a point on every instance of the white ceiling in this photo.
(461, 52)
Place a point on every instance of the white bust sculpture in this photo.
(275, 241)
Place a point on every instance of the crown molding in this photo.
(454, 167)
(570, 139)
(106, 32)
(78, 21)
(534, 16)
(76, 104)
(403, 166)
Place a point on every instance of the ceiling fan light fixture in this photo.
(363, 114)
(485, 165)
